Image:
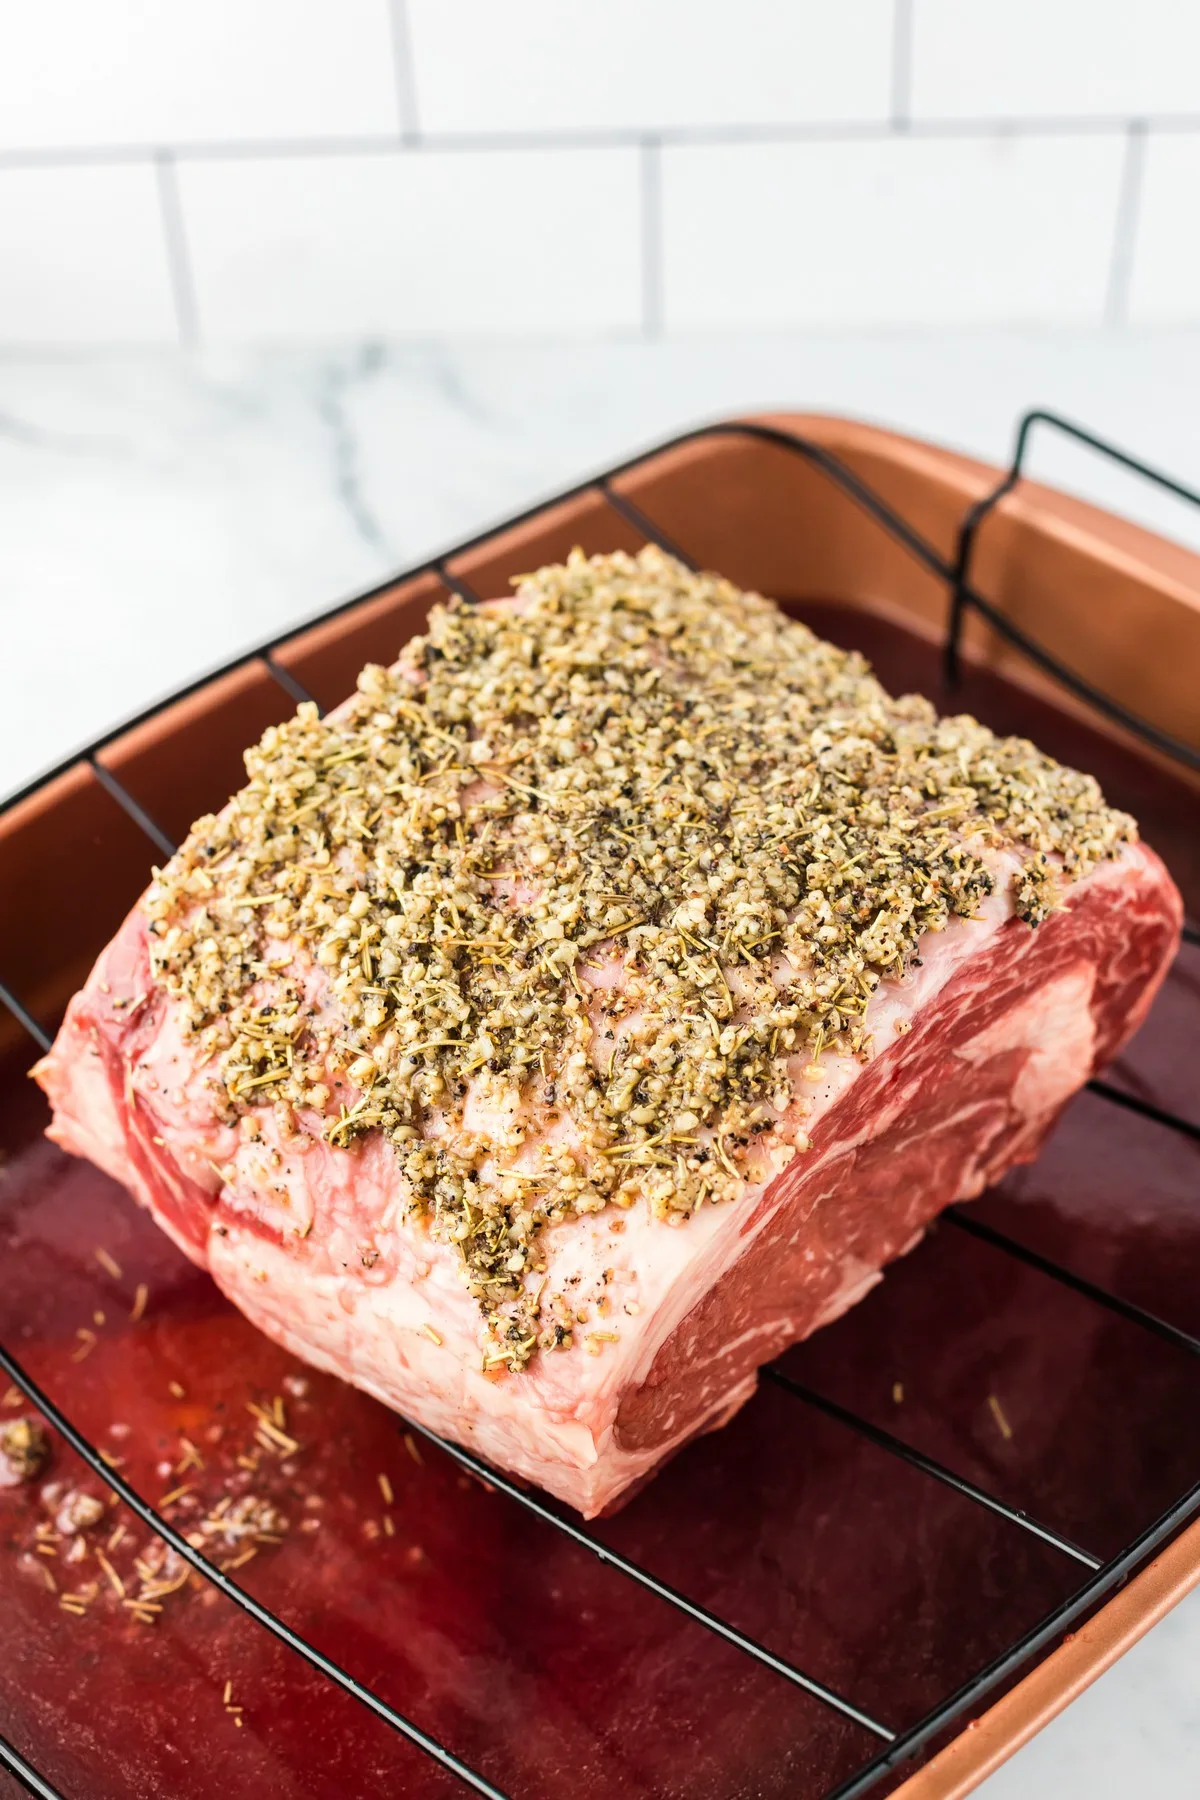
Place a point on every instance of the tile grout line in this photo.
(650, 168)
(179, 262)
(1129, 203)
(405, 72)
(390, 143)
(902, 45)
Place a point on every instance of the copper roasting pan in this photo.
(940, 1518)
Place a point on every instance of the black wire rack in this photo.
(1100, 1576)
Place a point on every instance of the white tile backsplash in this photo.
(1165, 285)
(498, 244)
(572, 167)
(905, 231)
(1056, 59)
(82, 257)
(570, 65)
(161, 72)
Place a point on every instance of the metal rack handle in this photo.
(964, 596)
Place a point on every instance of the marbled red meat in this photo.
(968, 1059)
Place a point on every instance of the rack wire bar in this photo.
(23, 1771)
(456, 584)
(1128, 1309)
(963, 596)
(894, 523)
(316, 1659)
(1113, 1572)
(125, 800)
(259, 653)
(927, 1465)
(661, 1589)
(1121, 715)
(288, 682)
(25, 1019)
(1147, 1109)
(633, 515)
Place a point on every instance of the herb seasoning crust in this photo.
(622, 855)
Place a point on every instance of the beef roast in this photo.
(594, 1004)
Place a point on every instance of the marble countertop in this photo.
(159, 513)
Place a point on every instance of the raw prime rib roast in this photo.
(592, 1005)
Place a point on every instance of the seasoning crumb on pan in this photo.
(898, 1392)
(77, 1511)
(1000, 1417)
(635, 765)
(233, 1529)
(191, 1458)
(177, 1493)
(139, 1301)
(24, 1450)
(113, 1579)
(108, 1263)
(385, 1488)
(269, 1434)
